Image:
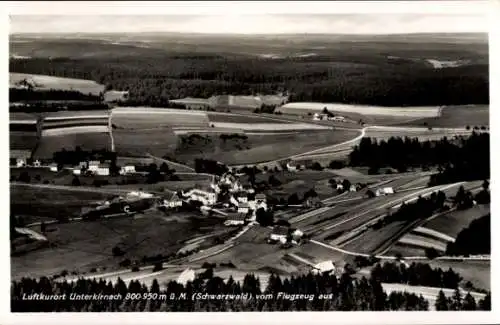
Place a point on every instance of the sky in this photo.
(397, 23)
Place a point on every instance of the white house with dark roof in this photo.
(173, 202)
(243, 208)
(279, 233)
(235, 219)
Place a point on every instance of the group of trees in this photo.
(347, 295)
(457, 302)
(417, 274)
(419, 210)
(372, 79)
(209, 166)
(342, 294)
(472, 240)
(464, 158)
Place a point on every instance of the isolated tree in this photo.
(469, 302)
(431, 253)
(485, 303)
(441, 302)
(75, 181)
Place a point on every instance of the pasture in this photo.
(45, 82)
(267, 147)
(69, 139)
(453, 222)
(477, 272)
(403, 112)
(42, 203)
(90, 244)
(457, 117)
(150, 118)
(23, 140)
(241, 119)
(157, 142)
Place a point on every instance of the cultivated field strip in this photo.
(433, 233)
(420, 241)
(451, 223)
(362, 109)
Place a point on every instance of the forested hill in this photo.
(377, 73)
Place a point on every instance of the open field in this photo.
(23, 140)
(44, 82)
(236, 118)
(20, 117)
(453, 222)
(148, 117)
(423, 134)
(86, 140)
(372, 239)
(89, 244)
(42, 203)
(457, 116)
(263, 148)
(157, 142)
(477, 272)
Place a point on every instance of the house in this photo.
(128, 169)
(338, 119)
(340, 187)
(54, 168)
(313, 202)
(77, 171)
(139, 194)
(279, 233)
(173, 202)
(261, 197)
(37, 163)
(242, 197)
(297, 236)
(93, 165)
(235, 219)
(188, 275)
(102, 169)
(324, 267)
(292, 167)
(384, 191)
(204, 196)
(243, 208)
(236, 187)
(353, 188)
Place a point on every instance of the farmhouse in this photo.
(127, 169)
(186, 276)
(173, 202)
(53, 167)
(324, 267)
(384, 191)
(279, 233)
(313, 202)
(261, 197)
(102, 169)
(20, 156)
(205, 197)
(243, 208)
(242, 197)
(235, 219)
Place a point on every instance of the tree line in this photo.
(459, 159)
(472, 240)
(367, 81)
(416, 274)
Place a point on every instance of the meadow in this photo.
(46, 82)
(457, 117)
(89, 244)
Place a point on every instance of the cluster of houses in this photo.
(326, 117)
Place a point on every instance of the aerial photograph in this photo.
(293, 162)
